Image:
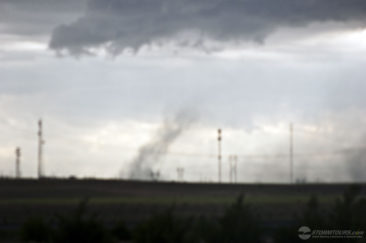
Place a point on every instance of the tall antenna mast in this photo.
(233, 161)
(180, 171)
(219, 153)
(17, 163)
(40, 149)
(291, 154)
(235, 158)
(230, 169)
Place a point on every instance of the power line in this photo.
(272, 156)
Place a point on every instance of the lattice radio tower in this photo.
(219, 138)
(17, 163)
(291, 153)
(40, 149)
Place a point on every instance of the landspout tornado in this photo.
(151, 153)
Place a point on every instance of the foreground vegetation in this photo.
(239, 223)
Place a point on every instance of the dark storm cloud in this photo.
(37, 17)
(120, 24)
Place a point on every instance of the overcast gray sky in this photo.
(105, 75)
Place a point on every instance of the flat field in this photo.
(133, 201)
